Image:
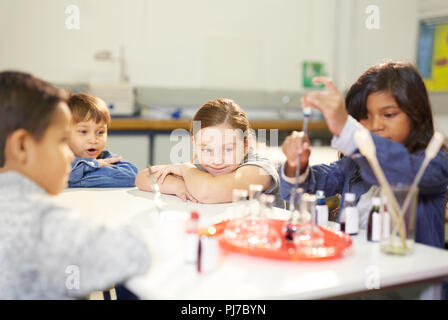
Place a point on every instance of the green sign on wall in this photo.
(311, 70)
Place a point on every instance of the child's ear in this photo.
(17, 145)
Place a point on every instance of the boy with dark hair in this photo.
(41, 244)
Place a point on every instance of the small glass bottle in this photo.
(374, 222)
(290, 225)
(234, 231)
(308, 235)
(266, 236)
(385, 220)
(192, 238)
(239, 203)
(255, 191)
(321, 209)
(349, 215)
(208, 250)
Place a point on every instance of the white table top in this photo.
(243, 277)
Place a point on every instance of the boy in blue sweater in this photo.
(391, 101)
(94, 166)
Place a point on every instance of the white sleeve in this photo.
(292, 180)
(345, 142)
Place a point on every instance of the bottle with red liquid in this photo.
(192, 238)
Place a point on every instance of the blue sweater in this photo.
(399, 166)
(86, 172)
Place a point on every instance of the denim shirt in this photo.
(398, 165)
(86, 172)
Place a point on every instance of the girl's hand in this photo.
(184, 195)
(175, 169)
(109, 161)
(330, 103)
(296, 143)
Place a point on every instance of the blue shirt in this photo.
(398, 165)
(86, 172)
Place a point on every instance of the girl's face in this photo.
(385, 118)
(219, 149)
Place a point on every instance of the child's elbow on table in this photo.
(142, 181)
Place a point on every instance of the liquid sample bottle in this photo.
(349, 216)
(385, 220)
(374, 222)
(208, 250)
(192, 238)
(321, 209)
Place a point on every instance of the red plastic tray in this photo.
(335, 244)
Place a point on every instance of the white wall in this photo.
(243, 44)
(236, 44)
(396, 38)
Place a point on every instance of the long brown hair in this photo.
(220, 111)
(403, 81)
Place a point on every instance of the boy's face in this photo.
(385, 118)
(50, 159)
(88, 139)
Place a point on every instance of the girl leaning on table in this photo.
(391, 101)
(223, 159)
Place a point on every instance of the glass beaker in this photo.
(264, 234)
(290, 225)
(307, 234)
(233, 232)
(259, 232)
(399, 237)
(255, 191)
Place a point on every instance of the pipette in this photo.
(290, 229)
(306, 117)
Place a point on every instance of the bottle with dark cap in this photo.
(349, 216)
(374, 222)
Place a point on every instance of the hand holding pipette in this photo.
(330, 103)
(293, 147)
(297, 143)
